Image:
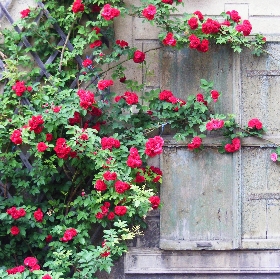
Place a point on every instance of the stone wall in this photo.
(180, 72)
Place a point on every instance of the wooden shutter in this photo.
(222, 202)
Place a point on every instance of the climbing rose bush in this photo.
(76, 181)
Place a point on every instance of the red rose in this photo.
(255, 123)
(246, 27)
(139, 178)
(48, 238)
(154, 146)
(120, 210)
(84, 136)
(111, 216)
(234, 146)
(56, 109)
(35, 124)
(215, 95)
(194, 41)
(214, 124)
(69, 234)
(121, 187)
(49, 137)
(122, 43)
(61, 148)
(19, 88)
(25, 13)
(109, 175)
(78, 6)
(203, 46)
(155, 201)
(99, 215)
(138, 56)
(234, 15)
(95, 44)
(16, 137)
(15, 270)
(41, 147)
(149, 12)
(38, 215)
(102, 84)
(47, 276)
(167, 1)
(95, 8)
(87, 62)
(196, 143)
(169, 40)
(199, 15)
(30, 261)
(134, 160)
(108, 12)
(109, 143)
(100, 185)
(15, 230)
(131, 98)
(165, 95)
(123, 79)
(210, 26)
(193, 22)
(35, 267)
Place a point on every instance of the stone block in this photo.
(144, 30)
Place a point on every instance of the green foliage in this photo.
(60, 174)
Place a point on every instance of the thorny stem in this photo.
(64, 46)
(120, 64)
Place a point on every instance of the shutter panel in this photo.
(221, 202)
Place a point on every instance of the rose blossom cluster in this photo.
(155, 201)
(25, 13)
(255, 123)
(103, 84)
(122, 43)
(105, 212)
(108, 12)
(76, 119)
(121, 187)
(195, 43)
(16, 213)
(16, 269)
(96, 43)
(153, 172)
(245, 27)
(154, 146)
(16, 137)
(234, 15)
(19, 88)
(31, 263)
(138, 56)
(36, 124)
(134, 160)
(69, 234)
(100, 185)
(120, 210)
(78, 6)
(38, 215)
(108, 175)
(149, 12)
(169, 40)
(233, 146)
(200, 98)
(110, 143)
(215, 95)
(61, 148)
(195, 143)
(130, 98)
(168, 96)
(214, 124)
(86, 98)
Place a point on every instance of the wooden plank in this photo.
(154, 261)
(203, 218)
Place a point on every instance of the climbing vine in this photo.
(76, 181)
